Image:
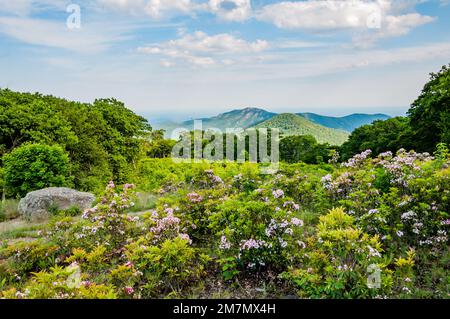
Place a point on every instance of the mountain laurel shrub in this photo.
(56, 284)
(258, 234)
(337, 261)
(23, 258)
(167, 267)
(371, 227)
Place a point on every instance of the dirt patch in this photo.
(16, 224)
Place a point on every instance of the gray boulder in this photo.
(35, 205)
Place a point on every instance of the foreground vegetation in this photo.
(366, 220)
(224, 230)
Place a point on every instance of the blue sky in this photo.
(189, 58)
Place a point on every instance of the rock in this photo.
(35, 205)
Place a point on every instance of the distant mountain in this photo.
(347, 123)
(243, 118)
(251, 116)
(293, 124)
(167, 126)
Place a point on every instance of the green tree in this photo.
(27, 118)
(35, 166)
(430, 112)
(2, 185)
(160, 148)
(103, 139)
(380, 136)
(303, 148)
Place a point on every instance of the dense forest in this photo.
(101, 140)
(427, 123)
(329, 220)
(293, 124)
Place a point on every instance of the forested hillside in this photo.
(292, 124)
(347, 123)
(251, 116)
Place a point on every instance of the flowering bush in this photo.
(397, 197)
(207, 180)
(105, 224)
(357, 160)
(403, 167)
(166, 267)
(303, 183)
(196, 208)
(224, 229)
(107, 220)
(245, 182)
(256, 235)
(337, 260)
(60, 283)
(23, 258)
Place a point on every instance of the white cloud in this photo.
(393, 26)
(378, 19)
(166, 64)
(56, 34)
(154, 8)
(25, 7)
(243, 72)
(220, 43)
(199, 48)
(377, 57)
(231, 10)
(19, 7)
(200, 61)
(319, 14)
(296, 44)
(290, 65)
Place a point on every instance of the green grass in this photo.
(19, 229)
(144, 201)
(9, 209)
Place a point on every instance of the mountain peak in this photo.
(248, 110)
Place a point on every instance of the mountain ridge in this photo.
(243, 118)
(347, 123)
(252, 116)
(294, 124)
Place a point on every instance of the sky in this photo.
(179, 59)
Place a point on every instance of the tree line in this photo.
(49, 141)
(426, 125)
